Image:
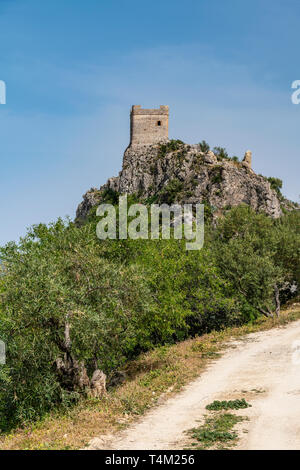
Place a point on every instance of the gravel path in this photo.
(261, 367)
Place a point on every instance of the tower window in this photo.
(159, 123)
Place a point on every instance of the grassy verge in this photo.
(151, 378)
(217, 432)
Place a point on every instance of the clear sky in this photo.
(73, 68)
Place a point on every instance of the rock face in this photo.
(177, 172)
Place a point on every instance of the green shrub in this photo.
(56, 278)
(170, 146)
(170, 192)
(216, 175)
(275, 184)
(204, 147)
(221, 153)
(258, 256)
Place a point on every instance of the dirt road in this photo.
(263, 367)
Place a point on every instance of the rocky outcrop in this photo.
(90, 199)
(177, 172)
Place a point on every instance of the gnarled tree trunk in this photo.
(73, 374)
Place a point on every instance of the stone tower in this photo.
(148, 126)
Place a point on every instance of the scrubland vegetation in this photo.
(69, 298)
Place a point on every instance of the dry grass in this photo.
(151, 378)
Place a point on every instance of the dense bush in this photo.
(171, 191)
(55, 279)
(171, 146)
(259, 256)
(204, 147)
(221, 153)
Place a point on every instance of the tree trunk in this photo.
(267, 314)
(73, 374)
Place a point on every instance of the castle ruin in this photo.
(148, 126)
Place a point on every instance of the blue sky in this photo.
(73, 68)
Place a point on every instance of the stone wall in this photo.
(148, 126)
(200, 177)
